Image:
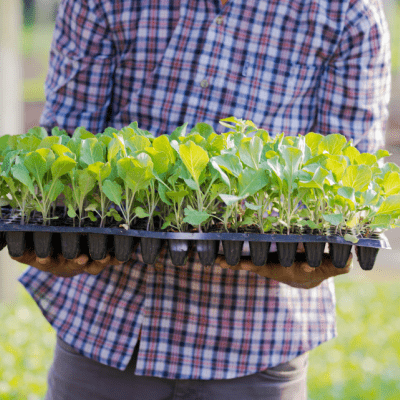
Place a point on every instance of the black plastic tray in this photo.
(97, 242)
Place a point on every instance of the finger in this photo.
(104, 261)
(221, 261)
(94, 268)
(81, 260)
(115, 261)
(247, 265)
(108, 260)
(44, 261)
(305, 267)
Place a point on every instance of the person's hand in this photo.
(60, 266)
(298, 275)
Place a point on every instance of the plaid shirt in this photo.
(288, 65)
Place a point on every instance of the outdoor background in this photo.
(361, 363)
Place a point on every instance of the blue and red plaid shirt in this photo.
(290, 66)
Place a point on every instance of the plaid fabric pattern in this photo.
(291, 66)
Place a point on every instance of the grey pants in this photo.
(74, 377)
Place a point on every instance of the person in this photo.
(157, 331)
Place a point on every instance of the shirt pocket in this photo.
(275, 94)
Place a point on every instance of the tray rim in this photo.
(381, 242)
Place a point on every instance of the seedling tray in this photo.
(97, 242)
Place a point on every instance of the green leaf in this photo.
(229, 163)
(160, 160)
(253, 207)
(48, 155)
(196, 139)
(369, 197)
(191, 183)
(61, 150)
(381, 221)
(347, 193)
(337, 165)
(381, 154)
(114, 213)
(277, 170)
(86, 181)
(312, 141)
(222, 174)
(292, 157)
(81, 133)
(263, 135)
(216, 143)
(203, 129)
(177, 196)
(138, 143)
(20, 172)
(195, 217)
(105, 140)
(69, 197)
(135, 175)
(71, 211)
(162, 144)
(366, 159)
(56, 189)
(113, 191)
(92, 217)
(36, 165)
(140, 132)
(229, 199)
(61, 166)
(391, 183)
(92, 207)
(390, 167)
(250, 151)
(100, 170)
(141, 213)
(56, 131)
(352, 153)
(165, 225)
(162, 189)
(194, 158)
(49, 141)
(317, 180)
(357, 177)
(333, 219)
(91, 151)
(333, 144)
(4, 143)
(38, 132)
(350, 238)
(251, 181)
(179, 132)
(114, 148)
(391, 205)
(29, 143)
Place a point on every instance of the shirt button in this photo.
(219, 20)
(204, 83)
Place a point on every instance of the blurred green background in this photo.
(361, 363)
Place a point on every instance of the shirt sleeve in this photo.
(354, 92)
(78, 85)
